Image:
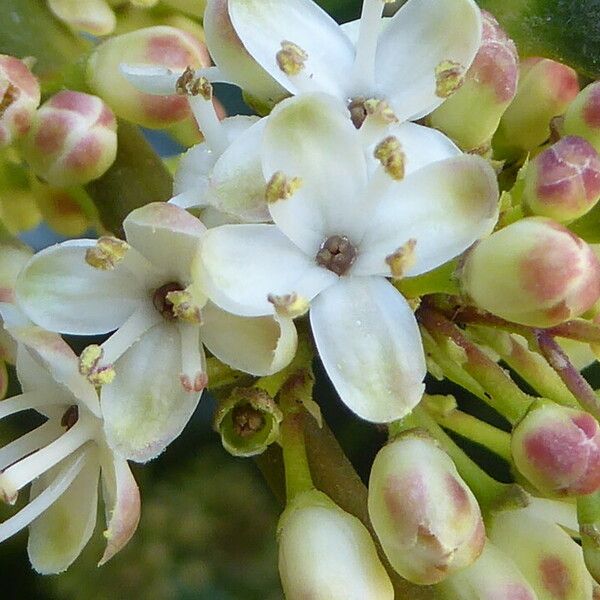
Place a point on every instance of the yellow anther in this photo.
(89, 366)
(107, 253)
(289, 305)
(183, 306)
(281, 187)
(389, 153)
(102, 376)
(190, 85)
(402, 259)
(380, 109)
(449, 76)
(291, 58)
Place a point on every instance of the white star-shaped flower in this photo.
(342, 226)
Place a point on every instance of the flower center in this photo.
(162, 304)
(358, 111)
(336, 254)
(247, 420)
(70, 417)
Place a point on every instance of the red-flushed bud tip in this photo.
(72, 139)
(583, 115)
(152, 46)
(545, 90)
(563, 181)
(410, 480)
(558, 449)
(471, 115)
(534, 272)
(19, 98)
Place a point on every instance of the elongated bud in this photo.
(72, 140)
(545, 89)
(94, 16)
(327, 554)
(157, 46)
(563, 182)
(583, 115)
(410, 479)
(547, 556)
(534, 272)
(231, 56)
(471, 115)
(19, 98)
(494, 576)
(558, 449)
(248, 422)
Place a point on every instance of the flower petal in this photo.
(60, 292)
(122, 504)
(263, 24)
(423, 34)
(240, 265)
(57, 536)
(255, 345)
(369, 342)
(445, 207)
(145, 407)
(311, 137)
(167, 235)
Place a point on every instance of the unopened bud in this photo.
(96, 17)
(63, 209)
(248, 422)
(155, 46)
(558, 449)
(471, 115)
(410, 479)
(72, 140)
(534, 272)
(19, 98)
(563, 182)
(545, 89)
(583, 115)
(327, 554)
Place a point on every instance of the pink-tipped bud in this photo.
(583, 115)
(19, 98)
(471, 115)
(232, 58)
(563, 182)
(558, 449)
(154, 46)
(72, 140)
(546, 88)
(328, 554)
(410, 480)
(534, 272)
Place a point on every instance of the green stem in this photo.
(221, 375)
(438, 281)
(297, 472)
(588, 515)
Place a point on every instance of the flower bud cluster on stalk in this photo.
(410, 198)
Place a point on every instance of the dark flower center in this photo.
(336, 254)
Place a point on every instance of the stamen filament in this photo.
(209, 123)
(28, 443)
(29, 400)
(193, 362)
(363, 70)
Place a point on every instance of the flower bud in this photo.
(471, 115)
(494, 576)
(547, 556)
(72, 140)
(411, 479)
(234, 60)
(534, 272)
(327, 554)
(248, 421)
(158, 46)
(91, 16)
(558, 449)
(19, 98)
(545, 89)
(563, 181)
(583, 115)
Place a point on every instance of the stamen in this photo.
(337, 254)
(280, 187)
(402, 259)
(89, 366)
(449, 76)
(183, 306)
(209, 123)
(107, 253)
(193, 376)
(291, 58)
(28, 400)
(289, 305)
(389, 153)
(380, 110)
(28, 443)
(191, 85)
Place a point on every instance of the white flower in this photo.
(342, 226)
(153, 366)
(62, 459)
(413, 62)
